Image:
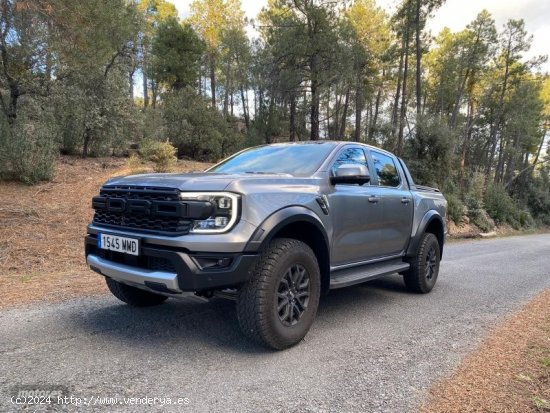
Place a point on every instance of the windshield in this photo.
(301, 159)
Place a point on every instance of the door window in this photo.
(385, 169)
(350, 156)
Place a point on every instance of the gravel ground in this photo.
(373, 347)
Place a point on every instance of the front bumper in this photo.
(170, 270)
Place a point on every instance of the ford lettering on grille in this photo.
(140, 206)
(158, 210)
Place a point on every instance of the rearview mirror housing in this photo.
(351, 174)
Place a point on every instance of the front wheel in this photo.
(277, 305)
(424, 269)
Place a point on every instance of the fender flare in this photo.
(427, 219)
(278, 220)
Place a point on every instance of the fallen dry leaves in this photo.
(509, 372)
(42, 229)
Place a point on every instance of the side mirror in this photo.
(350, 174)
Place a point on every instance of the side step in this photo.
(357, 275)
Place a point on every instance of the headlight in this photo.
(224, 215)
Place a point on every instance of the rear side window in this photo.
(385, 169)
(350, 156)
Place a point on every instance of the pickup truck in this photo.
(274, 227)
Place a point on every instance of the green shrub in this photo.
(429, 156)
(147, 148)
(164, 156)
(197, 130)
(475, 185)
(483, 221)
(135, 164)
(28, 149)
(525, 219)
(538, 199)
(455, 208)
(502, 207)
(478, 216)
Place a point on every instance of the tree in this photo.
(176, 54)
(306, 33)
(371, 39)
(23, 52)
(152, 12)
(208, 17)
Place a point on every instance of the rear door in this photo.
(356, 214)
(396, 202)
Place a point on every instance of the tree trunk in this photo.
(131, 85)
(462, 86)
(540, 148)
(511, 161)
(418, 64)
(336, 121)
(292, 127)
(226, 94)
(418, 74)
(500, 113)
(154, 94)
(500, 162)
(358, 104)
(49, 55)
(145, 89)
(399, 147)
(270, 117)
(395, 108)
(245, 108)
(87, 139)
(466, 145)
(327, 117)
(344, 114)
(213, 79)
(231, 103)
(375, 115)
(314, 117)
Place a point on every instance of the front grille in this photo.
(146, 262)
(141, 219)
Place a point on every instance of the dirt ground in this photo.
(509, 372)
(42, 229)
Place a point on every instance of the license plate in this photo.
(118, 243)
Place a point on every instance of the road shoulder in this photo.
(509, 372)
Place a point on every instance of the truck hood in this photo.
(190, 181)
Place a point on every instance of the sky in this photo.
(456, 14)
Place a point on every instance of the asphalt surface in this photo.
(373, 347)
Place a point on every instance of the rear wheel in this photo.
(422, 274)
(277, 305)
(134, 296)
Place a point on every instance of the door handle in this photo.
(405, 200)
(373, 199)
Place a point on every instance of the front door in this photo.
(356, 214)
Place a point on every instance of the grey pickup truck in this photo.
(273, 227)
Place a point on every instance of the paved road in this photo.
(373, 348)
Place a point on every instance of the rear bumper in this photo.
(169, 270)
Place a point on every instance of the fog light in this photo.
(213, 263)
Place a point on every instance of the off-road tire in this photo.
(258, 299)
(418, 278)
(134, 296)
